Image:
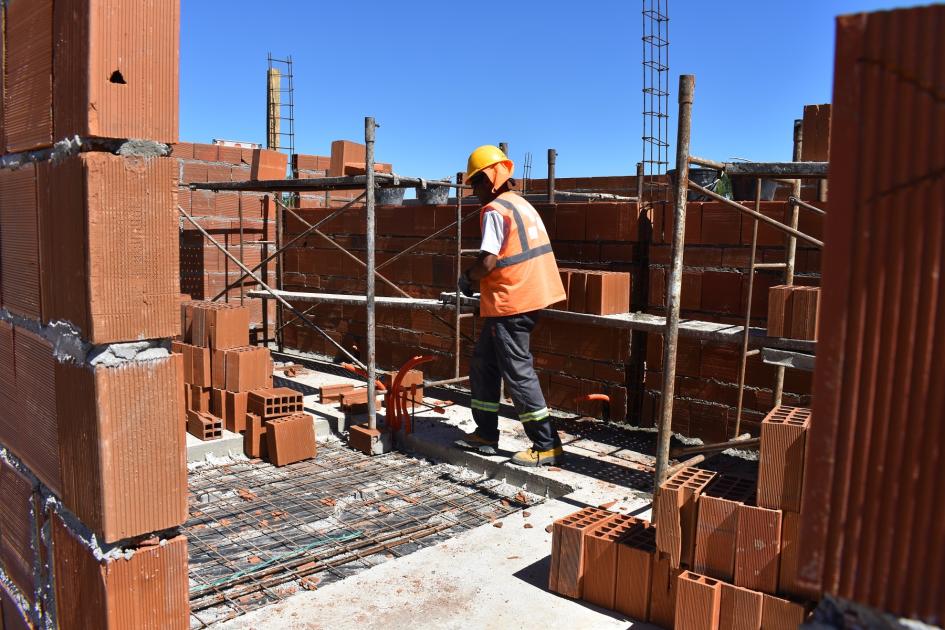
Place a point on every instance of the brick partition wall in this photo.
(92, 461)
(571, 360)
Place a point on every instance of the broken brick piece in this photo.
(600, 559)
(697, 602)
(757, 548)
(636, 552)
(781, 469)
(675, 514)
(567, 550)
(203, 425)
(363, 438)
(290, 439)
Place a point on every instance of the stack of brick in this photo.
(595, 292)
(277, 429)
(220, 367)
(92, 464)
(793, 312)
(872, 514)
(724, 548)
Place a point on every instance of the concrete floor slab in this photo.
(488, 577)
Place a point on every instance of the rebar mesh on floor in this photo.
(258, 533)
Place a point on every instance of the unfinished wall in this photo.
(204, 270)
(92, 462)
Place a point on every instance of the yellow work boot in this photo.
(475, 442)
(531, 457)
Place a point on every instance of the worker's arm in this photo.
(483, 266)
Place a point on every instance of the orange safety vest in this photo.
(526, 275)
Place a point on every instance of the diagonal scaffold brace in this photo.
(305, 320)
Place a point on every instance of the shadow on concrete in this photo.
(536, 574)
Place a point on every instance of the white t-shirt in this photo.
(494, 233)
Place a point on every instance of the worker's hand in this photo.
(465, 284)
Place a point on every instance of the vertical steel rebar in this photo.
(369, 128)
(459, 270)
(673, 290)
(791, 246)
(743, 357)
(552, 156)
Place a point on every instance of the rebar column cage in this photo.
(280, 105)
(655, 99)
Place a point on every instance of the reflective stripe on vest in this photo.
(527, 253)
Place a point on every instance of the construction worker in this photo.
(517, 276)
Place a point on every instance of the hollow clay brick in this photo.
(125, 87)
(290, 439)
(607, 293)
(274, 402)
(332, 393)
(146, 589)
(781, 614)
(234, 418)
(717, 525)
(21, 518)
(676, 513)
(28, 66)
(757, 548)
(697, 602)
(636, 553)
(254, 440)
(740, 608)
(345, 152)
(568, 550)
(663, 592)
(112, 273)
(577, 289)
(268, 165)
(600, 559)
(114, 478)
(20, 241)
(781, 468)
(204, 426)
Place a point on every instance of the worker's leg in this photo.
(485, 381)
(512, 336)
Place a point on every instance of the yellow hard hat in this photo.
(484, 157)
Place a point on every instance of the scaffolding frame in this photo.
(794, 171)
(751, 339)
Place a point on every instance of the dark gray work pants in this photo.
(502, 352)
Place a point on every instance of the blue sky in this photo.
(444, 77)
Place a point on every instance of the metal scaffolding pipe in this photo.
(761, 217)
(796, 201)
(369, 128)
(552, 157)
(273, 292)
(671, 335)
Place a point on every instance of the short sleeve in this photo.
(493, 233)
